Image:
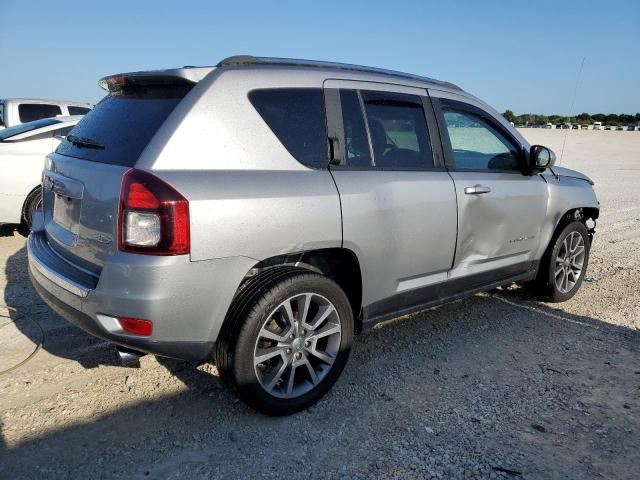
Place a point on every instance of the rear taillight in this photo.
(153, 217)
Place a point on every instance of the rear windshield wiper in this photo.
(84, 142)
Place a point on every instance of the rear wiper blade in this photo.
(84, 142)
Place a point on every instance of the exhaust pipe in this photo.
(129, 358)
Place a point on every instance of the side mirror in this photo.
(540, 158)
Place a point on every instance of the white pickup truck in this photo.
(14, 111)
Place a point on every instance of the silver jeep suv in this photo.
(259, 213)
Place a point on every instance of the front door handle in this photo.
(477, 190)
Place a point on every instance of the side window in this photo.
(78, 110)
(476, 144)
(35, 111)
(297, 117)
(398, 130)
(355, 132)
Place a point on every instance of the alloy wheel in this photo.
(569, 262)
(297, 345)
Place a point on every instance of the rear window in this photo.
(297, 117)
(122, 125)
(35, 111)
(78, 110)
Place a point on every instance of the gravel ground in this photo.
(494, 386)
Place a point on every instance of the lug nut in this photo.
(291, 336)
(288, 350)
(304, 332)
(298, 356)
(307, 343)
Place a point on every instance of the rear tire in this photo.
(31, 204)
(286, 340)
(564, 264)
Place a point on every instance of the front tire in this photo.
(286, 340)
(564, 264)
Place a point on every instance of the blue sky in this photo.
(514, 54)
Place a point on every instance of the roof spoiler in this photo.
(176, 76)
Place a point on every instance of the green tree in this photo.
(540, 119)
(626, 119)
(555, 119)
(509, 116)
(530, 119)
(584, 118)
(612, 119)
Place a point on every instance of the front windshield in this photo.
(26, 127)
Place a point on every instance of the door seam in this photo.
(340, 205)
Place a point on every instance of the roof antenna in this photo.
(575, 92)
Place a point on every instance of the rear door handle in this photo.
(477, 189)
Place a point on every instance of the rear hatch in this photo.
(82, 179)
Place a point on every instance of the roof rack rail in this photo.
(294, 62)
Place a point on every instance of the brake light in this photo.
(153, 217)
(113, 82)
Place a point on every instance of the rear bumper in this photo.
(198, 351)
(186, 301)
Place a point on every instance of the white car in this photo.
(598, 126)
(15, 111)
(23, 149)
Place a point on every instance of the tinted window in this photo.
(35, 111)
(1, 113)
(123, 124)
(78, 110)
(355, 132)
(477, 145)
(398, 129)
(7, 133)
(296, 116)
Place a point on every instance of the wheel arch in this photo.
(27, 198)
(585, 214)
(339, 264)
(582, 214)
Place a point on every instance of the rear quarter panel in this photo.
(248, 196)
(259, 214)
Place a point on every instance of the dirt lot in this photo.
(492, 386)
